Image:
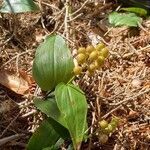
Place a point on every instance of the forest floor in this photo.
(121, 88)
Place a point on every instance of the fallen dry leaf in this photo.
(26, 77)
(14, 82)
(132, 115)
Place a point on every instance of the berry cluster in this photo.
(90, 58)
(107, 128)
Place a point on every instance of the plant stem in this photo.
(71, 79)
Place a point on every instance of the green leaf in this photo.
(59, 128)
(49, 148)
(18, 6)
(138, 11)
(73, 106)
(49, 107)
(123, 19)
(137, 3)
(53, 63)
(59, 143)
(56, 146)
(44, 136)
(70, 147)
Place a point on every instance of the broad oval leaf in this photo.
(53, 63)
(72, 104)
(57, 146)
(44, 136)
(59, 128)
(18, 6)
(49, 107)
(123, 19)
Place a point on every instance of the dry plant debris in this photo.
(121, 88)
(14, 82)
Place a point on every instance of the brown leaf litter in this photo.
(120, 88)
(19, 83)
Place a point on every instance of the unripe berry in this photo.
(115, 119)
(93, 55)
(103, 124)
(104, 52)
(90, 73)
(109, 129)
(81, 58)
(103, 138)
(92, 67)
(90, 48)
(100, 60)
(86, 55)
(81, 50)
(77, 70)
(100, 46)
(114, 122)
(96, 65)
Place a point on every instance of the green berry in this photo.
(100, 46)
(81, 58)
(103, 138)
(114, 122)
(81, 50)
(109, 129)
(90, 73)
(115, 119)
(77, 70)
(104, 52)
(103, 124)
(90, 48)
(92, 67)
(96, 65)
(100, 60)
(93, 55)
(86, 55)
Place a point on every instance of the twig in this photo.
(124, 101)
(17, 66)
(140, 25)
(52, 6)
(79, 15)
(66, 19)
(146, 48)
(29, 113)
(72, 42)
(80, 8)
(15, 58)
(110, 112)
(9, 39)
(9, 125)
(20, 144)
(10, 138)
(60, 27)
(91, 130)
(131, 98)
(14, 31)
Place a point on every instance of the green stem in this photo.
(71, 79)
